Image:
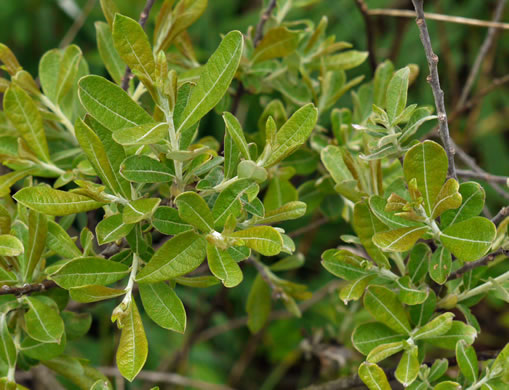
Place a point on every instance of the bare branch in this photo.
(312, 226)
(478, 263)
(504, 212)
(277, 292)
(142, 21)
(482, 176)
(77, 25)
(370, 34)
(170, 378)
(434, 81)
(28, 288)
(442, 18)
(483, 51)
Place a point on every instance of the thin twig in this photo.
(277, 292)
(312, 226)
(483, 51)
(504, 212)
(170, 378)
(476, 168)
(275, 315)
(434, 81)
(77, 24)
(442, 18)
(142, 21)
(482, 176)
(478, 263)
(28, 288)
(370, 34)
(241, 90)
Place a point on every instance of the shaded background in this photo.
(289, 353)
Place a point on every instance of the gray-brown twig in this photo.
(504, 212)
(28, 288)
(76, 26)
(434, 81)
(370, 33)
(168, 378)
(482, 176)
(478, 263)
(277, 292)
(483, 51)
(442, 18)
(142, 21)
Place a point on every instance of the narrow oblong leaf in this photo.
(384, 351)
(194, 210)
(448, 198)
(42, 321)
(37, 232)
(399, 240)
(8, 352)
(235, 130)
(110, 104)
(112, 229)
(370, 335)
(166, 220)
(139, 209)
(143, 169)
(132, 349)
(145, 134)
(47, 200)
(24, 114)
(467, 361)
(293, 134)
(436, 327)
(276, 43)
(10, 245)
(215, 78)
(470, 239)
(88, 271)
(408, 367)
(108, 53)
(163, 306)
(223, 266)
(259, 305)
(178, 256)
(373, 377)
(458, 331)
(385, 307)
(345, 264)
(440, 265)
(263, 239)
(397, 93)
(59, 241)
(93, 293)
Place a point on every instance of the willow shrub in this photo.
(80, 143)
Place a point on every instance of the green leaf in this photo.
(276, 43)
(42, 351)
(366, 225)
(139, 209)
(133, 46)
(383, 351)
(24, 115)
(49, 70)
(177, 256)
(146, 134)
(355, 289)
(259, 305)
(378, 204)
(110, 104)
(345, 264)
(10, 245)
(143, 169)
(342, 61)
(417, 265)
(89, 270)
(133, 347)
(399, 240)
(438, 369)
(448, 385)
(223, 266)
(440, 265)
(421, 314)
(448, 198)
(228, 202)
(292, 134)
(458, 331)
(108, 53)
(215, 78)
(5, 220)
(279, 192)
(7, 180)
(263, 239)
(91, 293)
(397, 93)
(163, 306)
(42, 321)
(8, 352)
(47, 200)
(68, 70)
(59, 241)
(370, 335)
(437, 327)
(467, 361)
(166, 220)
(385, 307)
(409, 294)
(37, 232)
(76, 325)
(112, 229)
(470, 239)
(195, 211)
(373, 377)
(291, 210)
(383, 76)
(96, 153)
(197, 281)
(235, 131)
(473, 197)
(408, 367)
(427, 163)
